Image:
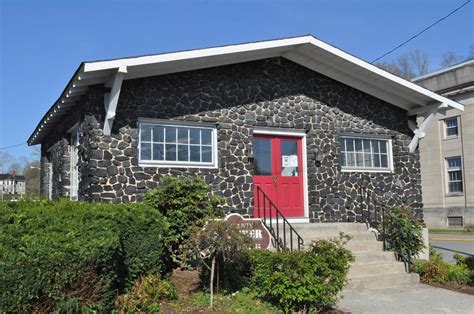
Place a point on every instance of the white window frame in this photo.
(388, 169)
(74, 177)
(446, 136)
(448, 169)
(178, 164)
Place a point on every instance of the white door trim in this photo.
(302, 135)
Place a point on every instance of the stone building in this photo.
(447, 150)
(12, 184)
(318, 130)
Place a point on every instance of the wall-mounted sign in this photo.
(253, 227)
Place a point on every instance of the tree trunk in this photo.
(213, 265)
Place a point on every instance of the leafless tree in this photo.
(420, 61)
(450, 58)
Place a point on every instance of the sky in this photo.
(42, 42)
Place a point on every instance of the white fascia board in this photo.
(90, 67)
(385, 74)
(192, 54)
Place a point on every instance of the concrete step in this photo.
(359, 236)
(366, 270)
(383, 281)
(364, 246)
(377, 256)
(333, 228)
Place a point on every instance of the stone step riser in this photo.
(382, 282)
(364, 246)
(376, 269)
(374, 257)
(366, 236)
(334, 229)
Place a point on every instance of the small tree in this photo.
(403, 233)
(186, 205)
(220, 242)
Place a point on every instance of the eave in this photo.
(304, 50)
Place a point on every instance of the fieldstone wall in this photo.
(237, 98)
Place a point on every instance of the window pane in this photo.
(206, 154)
(206, 136)
(383, 146)
(171, 152)
(158, 134)
(455, 187)
(359, 159)
(289, 158)
(349, 144)
(367, 160)
(170, 134)
(375, 146)
(195, 153)
(145, 132)
(183, 135)
(158, 152)
(183, 152)
(454, 162)
(194, 136)
(451, 122)
(351, 159)
(384, 161)
(343, 159)
(455, 175)
(358, 145)
(452, 131)
(262, 161)
(145, 151)
(377, 160)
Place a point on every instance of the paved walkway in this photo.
(407, 299)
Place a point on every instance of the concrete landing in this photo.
(418, 298)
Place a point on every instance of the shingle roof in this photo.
(5, 176)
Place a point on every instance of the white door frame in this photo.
(302, 135)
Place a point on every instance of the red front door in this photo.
(278, 167)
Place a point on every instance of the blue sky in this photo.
(43, 42)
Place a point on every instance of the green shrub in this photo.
(437, 271)
(145, 295)
(403, 233)
(186, 206)
(302, 280)
(66, 255)
(467, 262)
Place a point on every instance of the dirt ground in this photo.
(186, 282)
(455, 287)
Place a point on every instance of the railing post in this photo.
(258, 201)
(291, 239)
(278, 229)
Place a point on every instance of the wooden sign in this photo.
(253, 227)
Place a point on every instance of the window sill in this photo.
(367, 170)
(175, 165)
(454, 194)
(449, 138)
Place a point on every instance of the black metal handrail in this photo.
(377, 222)
(271, 219)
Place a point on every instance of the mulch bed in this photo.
(455, 287)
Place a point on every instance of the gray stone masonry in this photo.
(237, 98)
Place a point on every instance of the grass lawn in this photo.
(452, 231)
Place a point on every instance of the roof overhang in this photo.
(304, 50)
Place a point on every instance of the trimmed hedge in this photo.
(69, 256)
